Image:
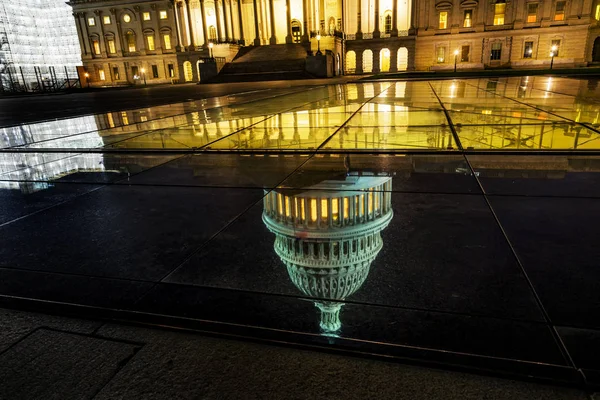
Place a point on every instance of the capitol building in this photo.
(159, 41)
(328, 234)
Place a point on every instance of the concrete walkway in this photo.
(50, 357)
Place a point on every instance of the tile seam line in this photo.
(558, 340)
(262, 328)
(568, 120)
(349, 118)
(448, 119)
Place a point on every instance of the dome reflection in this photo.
(327, 234)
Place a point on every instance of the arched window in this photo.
(387, 22)
(296, 31)
(130, 39)
(350, 62)
(402, 62)
(384, 60)
(368, 61)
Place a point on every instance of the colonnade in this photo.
(260, 22)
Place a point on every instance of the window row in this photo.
(137, 73)
(130, 43)
(328, 250)
(327, 211)
(463, 55)
(107, 19)
(500, 13)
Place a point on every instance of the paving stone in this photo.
(14, 325)
(185, 366)
(56, 365)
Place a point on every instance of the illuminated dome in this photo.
(328, 234)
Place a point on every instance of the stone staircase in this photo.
(272, 62)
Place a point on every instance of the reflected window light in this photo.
(335, 209)
(313, 210)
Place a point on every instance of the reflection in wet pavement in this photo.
(430, 220)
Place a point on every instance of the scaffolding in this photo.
(39, 47)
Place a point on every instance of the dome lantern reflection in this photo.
(328, 234)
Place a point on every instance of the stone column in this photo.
(376, 60)
(376, 31)
(182, 26)
(82, 40)
(204, 27)
(225, 21)
(288, 16)
(103, 49)
(322, 23)
(231, 20)
(273, 39)
(218, 15)
(413, 17)
(241, 21)
(393, 60)
(359, 26)
(158, 42)
(192, 46)
(394, 32)
(359, 63)
(119, 39)
(141, 29)
(177, 27)
(305, 38)
(256, 33)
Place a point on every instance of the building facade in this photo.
(158, 41)
(38, 46)
(507, 33)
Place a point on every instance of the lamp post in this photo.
(319, 44)
(210, 47)
(552, 55)
(87, 79)
(455, 57)
(144, 75)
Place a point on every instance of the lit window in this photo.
(388, 23)
(441, 54)
(116, 73)
(111, 46)
(528, 50)
(106, 19)
(499, 9)
(126, 18)
(555, 47)
(496, 51)
(91, 21)
(150, 41)
(155, 71)
(597, 13)
(313, 210)
(130, 41)
(559, 13)
(468, 21)
(96, 46)
(324, 210)
(464, 53)
(443, 20)
(162, 14)
(171, 69)
(532, 10)
(101, 74)
(146, 16)
(167, 40)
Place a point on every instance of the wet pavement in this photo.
(451, 222)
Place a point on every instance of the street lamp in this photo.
(210, 47)
(319, 44)
(455, 57)
(552, 55)
(144, 75)
(87, 79)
